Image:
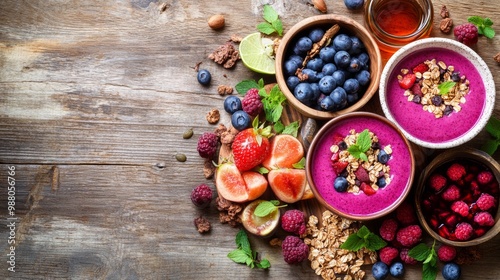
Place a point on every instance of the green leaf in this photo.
(266, 28)
(375, 242)
(275, 202)
(264, 264)
(261, 83)
(242, 242)
(262, 170)
(420, 252)
(239, 256)
(490, 146)
(354, 150)
(489, 32)
(292, 129)
(363, 156)
(488, 22)
(429, 272)
(480, 30)
(278, 26)
(301, 164)
(353, 243)
(265, 208)
(269, 14)
(445, 87)
(243, 86)
(493, 127)
(278, 127)
(476, 20)
(363, 232)
(364, 141)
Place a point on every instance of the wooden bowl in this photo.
(441, 161)
(348, 26)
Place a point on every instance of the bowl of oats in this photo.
(438, 91)
(360, 166)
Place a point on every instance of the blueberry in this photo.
(364, 58)
(451, 271)
(417, 99)
(290, 67)
(304, 44)
(340, 184)
(363, 78)
(380, 270)
(339, 97)
(437, 100)
(352, 98)
(327, 54)
(339, 77)
(240, 120)
(354, 65)
(232, 104)
(342, 146)
(316, 34)
(327, 84)
(297, 58)
(328, 69)
(357, 46)
(312, 76)
(342, 59)
(292, 82)
(315, 90)
(303, 92)
(342, 42)
(383, 157)
(397, 270)
(204, 77)
(351, 86)
(315, 64)
(448, 109)
(327, 103)
(354, 4)
(381, 183)
(455, 76)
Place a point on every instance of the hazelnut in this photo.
(319, 5)
(216, 22)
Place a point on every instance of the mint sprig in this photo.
(267, 207)
(363, 144)
(363, 238)
(483, 26)
(428, 256)
(493, 128)
(272, 22)
(244, 254)
(445, 87)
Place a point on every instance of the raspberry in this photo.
(201, 196)
(451, 193)
(207, 145)
(405, 214)
(406, 258)
(251, 103)
(466, 33)
(484, 219)
(446, 253)
(485, 202)
(409, 235)
(461, 208)
(463, 231)
(388, 229)
(388, 254)
(484, 177)
(455, 172)
(437, 182)
(294, 221)
(294, 250)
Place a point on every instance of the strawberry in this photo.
(251, 146)
(422, 67)
(367, 188)
(407, 81)
(339, 166)
(337, 138)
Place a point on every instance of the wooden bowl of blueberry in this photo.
(328, 65)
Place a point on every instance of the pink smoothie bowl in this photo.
(422, 127)
(360, 206)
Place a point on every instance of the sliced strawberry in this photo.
(417, 90)
(339, 166)
(362, 175)
(337, 138)
(407, 81)
(422, 67)
(335, 157)
(367, 188)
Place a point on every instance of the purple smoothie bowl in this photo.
(422, 127)
(360, 206)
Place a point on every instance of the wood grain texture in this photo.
(94, 99)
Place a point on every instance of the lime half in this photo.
(256, 53)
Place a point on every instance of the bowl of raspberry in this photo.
(438, 91)
(457, 197)
(328, 65)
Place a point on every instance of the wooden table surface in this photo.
(94, 99)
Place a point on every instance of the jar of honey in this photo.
(395, 23)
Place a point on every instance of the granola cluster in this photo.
(327, 259)
(428, 93)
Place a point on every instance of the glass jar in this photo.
(395, 23)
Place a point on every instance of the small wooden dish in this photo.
(348, 26)
(448, 156)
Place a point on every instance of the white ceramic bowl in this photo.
(422, 127)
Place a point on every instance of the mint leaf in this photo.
(353, 243)
(375, 242)
(272, 103)
(363, 156)
(429, 272)
(354, 151)
(264, 208)
(264, 264)
(445, 87)
(483, 26)
(363, 232)
(489, 32)
(364, 141)
(269, 14)
(490, 146)
(488, 22)
(493, 127)
(419, 252)
(239, 256)
(243, 86)
(278, 26)
(266, 28)
(301, 164)
(292, 129)
(279, 127)
(476, 20)
(363, 238)
(242, 242)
